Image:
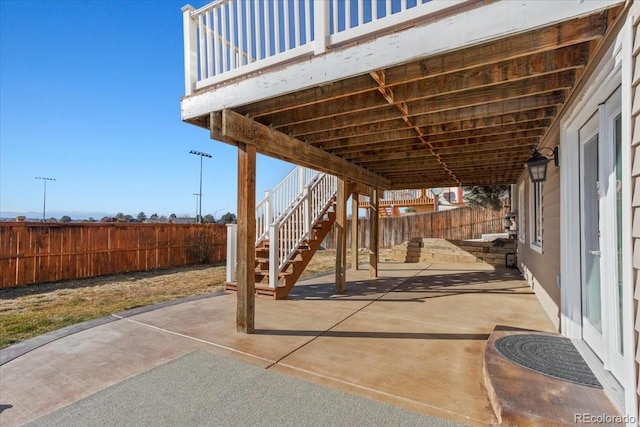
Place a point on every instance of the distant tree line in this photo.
(227, 218)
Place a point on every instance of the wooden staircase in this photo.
(388, 211)
(291, 222)
(288, 277)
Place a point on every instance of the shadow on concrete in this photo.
(369, 334)
(500, 281)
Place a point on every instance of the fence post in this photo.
(274, 259)
(321, 26)
(190, 53)
(232, 252)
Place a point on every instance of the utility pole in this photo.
(201, 154)
(44, 203)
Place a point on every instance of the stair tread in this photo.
(266, 273)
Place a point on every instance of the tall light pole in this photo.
(201, 154)
(44, 203)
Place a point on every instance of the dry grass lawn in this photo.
(29, 311)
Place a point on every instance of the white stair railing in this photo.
(291, 230)
(278, 200)
(286, 216)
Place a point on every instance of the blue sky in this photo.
(90, 95)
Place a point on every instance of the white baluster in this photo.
(307, 212)
(287, 38)
(190, 55)
(267, 208)
(211, 40)
(202, 45)
(224, 15)
(296, 24)
(321, 27)
(276, 27)
(307, 21)
(274, 258)
(347, 15)
(302, 179)
(217, 44)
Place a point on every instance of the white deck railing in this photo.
(230, 38)
(400, 197)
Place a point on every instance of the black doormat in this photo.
(553, 356)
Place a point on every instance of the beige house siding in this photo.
(541, 270)
(635, 182)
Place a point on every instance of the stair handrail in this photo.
(293, 228)
(278, 200)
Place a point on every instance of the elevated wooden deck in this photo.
(439, 108)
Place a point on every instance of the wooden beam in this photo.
(245, 315)
(373, 232)
(340, 227)
(354, 230)
(276, 144)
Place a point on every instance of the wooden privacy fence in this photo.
(454, 224)
(43, 252)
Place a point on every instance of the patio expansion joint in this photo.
(376, 391)
(224, 347)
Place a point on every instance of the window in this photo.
(535, 215)
(522, 230)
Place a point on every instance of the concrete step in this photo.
(523, 397)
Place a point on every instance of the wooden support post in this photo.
(354, 231)
(373, 232)
(341, 236)
(246, 238)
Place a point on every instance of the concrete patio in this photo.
(413, 338)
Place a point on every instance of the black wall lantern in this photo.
(537, 164)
